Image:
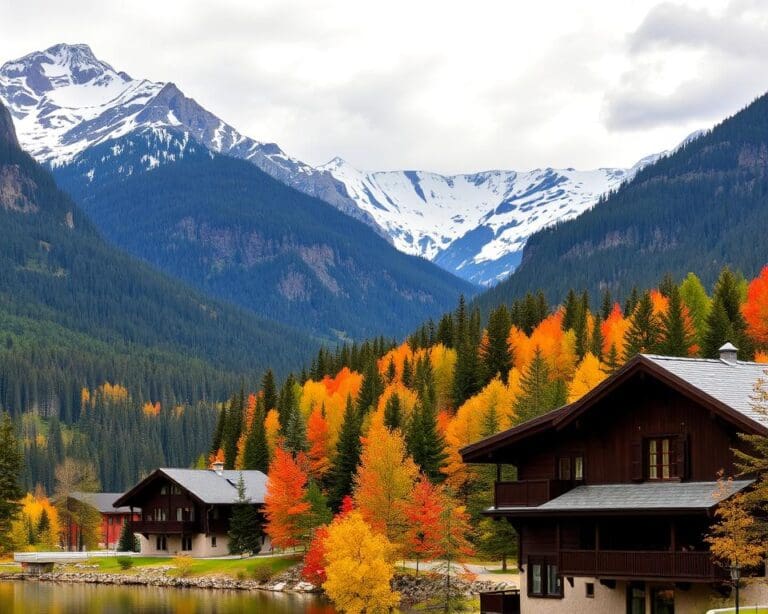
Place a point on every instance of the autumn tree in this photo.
(755, 308)
(284, 502)
(74, 476)
(497, 539)
(422, 512)
(644, 328)
(313, 570)
(695, 298)
(384, 481)
(318, 437)
(588, 375)
(359, 567)
(10, 467)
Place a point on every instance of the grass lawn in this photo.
(202, 567)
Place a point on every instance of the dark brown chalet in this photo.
(188, 510)
(616, 491)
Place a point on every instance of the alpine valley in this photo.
(94, 125)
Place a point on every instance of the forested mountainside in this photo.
(236, 233)
(76, 313)
(700, 208)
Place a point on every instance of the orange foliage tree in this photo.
(423, 515)
(285, 504)
(755, 309)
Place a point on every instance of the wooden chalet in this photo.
(112, 519)
(187, 511)
(615, 492)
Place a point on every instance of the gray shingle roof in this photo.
(731, 383)
(645, 496)
(102, 501)
(213, 488)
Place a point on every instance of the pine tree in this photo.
(676, 338)
(269, 390)
(606, 305)
(10, 469)
(371, 389)
(445, 330)
(631, 303)
(232, 429)
(256, 455)
(286, 402)
(407, 377)
(245, 529)
(467, 379)
(643, 333)
(571, 310)
(218, 434)
(393, 412)
(296, 431)
(347, 456)
(596, 340)
(127, 541)
(612, 362)
(538, 394)
(725, 322)
(580, 326)
(496, 354)
(425, 443)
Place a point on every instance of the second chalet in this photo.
(616, 492)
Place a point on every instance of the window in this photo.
(213, 541)
(636, 598)
(662, 600)
(179, 514)
(160, 514)
(660, 458)
(543, 580)
(589, 590)
(186, 543)
(161, 543)
(578, 468)
(163, 490)
(565, 468)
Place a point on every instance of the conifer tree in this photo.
(596, 339)
(445, 330)
(232, 429)
(296, 431)
(256, 454)
(245, 529)
(393, 412)
(612, 361)
(631, 303)
(538, 394)
(286, 402)
(571, 309)
(606, 304)
(675, 339)
(407, 377)
(347, 457)
(425, 443)
(725, 322)
(127, 541)
(643, 333)
(467, 379)
(371, 389)
(580, 326)
(218, 434)
(496, 355)
(269, 390)
(698, 303)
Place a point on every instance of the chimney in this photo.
(728, 352)
(218, 467)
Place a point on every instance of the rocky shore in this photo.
(413, 589)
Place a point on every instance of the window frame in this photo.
(654, 461)
(548, 571)
(570, 462)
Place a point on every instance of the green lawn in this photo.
(199, 567)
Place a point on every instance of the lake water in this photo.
(31, 597)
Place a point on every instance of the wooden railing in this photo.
(500, 602)
(528, 493)
(640, 564)
(165, 526)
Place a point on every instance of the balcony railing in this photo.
(639, 564)
(529, 493)
(167, 527)
(500, 602)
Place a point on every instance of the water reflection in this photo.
(48, 598)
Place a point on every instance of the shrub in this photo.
(262, 573)
(125, 562)
(183, 564)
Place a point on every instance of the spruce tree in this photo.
(596, 339)
(296, 431)
(245, 528)
(675, 338)
(424, 441)
(571, 310)
(218, 433)
(393, 412)
(725, 322)
(644, 329)
(496, 355)
(631, 302)
(612, 360)
(407, 377)
(10, 469)
(580, 327)
(256, 454)
(467, 379)
(286, 402)
(269, 390)
(232, 429)
(127, 541)
(348, 450)
(606, 305)
(370, 390)
(538, 393)
(445, 330)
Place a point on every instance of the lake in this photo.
(31, 597)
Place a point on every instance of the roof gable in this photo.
(724, 387)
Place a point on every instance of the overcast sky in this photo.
(435, 85)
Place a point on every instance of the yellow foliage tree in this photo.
(588, 375)
(37, 526)
(384, 480)
(272, 429)
(359, 567)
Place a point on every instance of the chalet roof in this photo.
(644, 497)
(102, 501)
(731, 383)
(723, 385)
(214, 488)
(208, 486)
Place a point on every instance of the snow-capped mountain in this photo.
(82, 117)
(475, 225)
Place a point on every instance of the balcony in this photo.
(528, 493)
(681, 566)
(165, 527)
(500, 602)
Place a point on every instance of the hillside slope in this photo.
(235, 232)
(702, 207)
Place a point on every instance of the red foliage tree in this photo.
(755, 309)
(314, 560)
(285, 501)
(422, 511)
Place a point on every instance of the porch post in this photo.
(673, 544)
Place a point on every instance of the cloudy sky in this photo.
(438, 85)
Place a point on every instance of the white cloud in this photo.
(438, 85)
